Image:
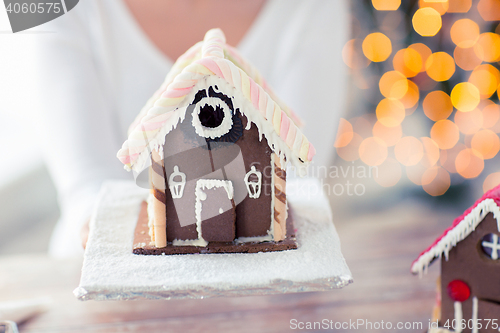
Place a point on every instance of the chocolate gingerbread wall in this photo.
(468, 262)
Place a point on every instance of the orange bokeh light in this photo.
(409, 151)
(410, 99)
(464, 33)
(469, 122)
(377, 47)
(390, 112)
(431, 152)
(487, 47)
(390, 135)
(424, 52)
(466, 58)
(486, 143)
(440, 66)
(491, 181)
(465, 96)
(344, 133)
(386, 4)
(439, 184)
(469, 163)
(491, 115)
(350, 152)
(373, 151)
(388, 173)
(445, 133)
(408, 62)
(415, 173)
(489, 10)
(437, 105)
(459, 6)
(352, 55)
(427, 21)
(485, 81)
(440, 6)
(447, 157)
(393, 84)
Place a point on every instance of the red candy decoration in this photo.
(458, 290)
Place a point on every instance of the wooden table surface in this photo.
(378, 247)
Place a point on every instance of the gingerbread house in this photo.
(468, 290)
(213, 143)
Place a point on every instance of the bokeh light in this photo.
(447, 157)
(386, 4)
(393, 84)
(453, 124)
(486, 143)
(440, 66)
(408, 62)
(352, 54)
(373, 151)
(466, 58)
(350, 152)
(445, 133)
(469, 122)
(465, 96)
(390, 135)
(464, 33)
(427, 21)
(487, 47)
(491, 116)
(390, 112)
(459, 6)
(485, 81)
(439, 184)
(491, 181)
(437, 105)
(410, 99)
(344, 134)
(423, 50)
(409, 151)
(469, 163)
(440, 6)
(489, 9)
(377, 47)
(431, 152)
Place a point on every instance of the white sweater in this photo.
(98, 68)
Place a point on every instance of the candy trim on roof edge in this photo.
(212, 63)
(462, 227)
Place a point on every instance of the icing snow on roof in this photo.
(213, 58)
(461, 228)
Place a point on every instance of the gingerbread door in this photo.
(215, 209)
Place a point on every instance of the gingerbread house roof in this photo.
(462, 227)
(214, 58)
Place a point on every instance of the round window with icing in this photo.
(491, 246)
(212, 118)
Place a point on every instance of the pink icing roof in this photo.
(213, 57)
(493, 194)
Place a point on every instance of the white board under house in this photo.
(112, 272)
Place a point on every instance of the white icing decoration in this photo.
(495, 247)
(264, 126)
(216, 132)
(458, 317)
(177, 187)
(271, 229)
(221, 210)
(474, 315)
(457, 234)
(200, 196)
(253, 187)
